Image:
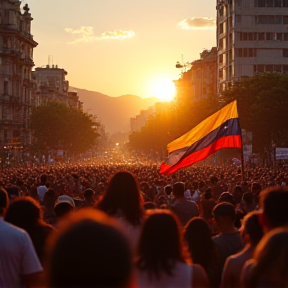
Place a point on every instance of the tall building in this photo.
(199, 81)
(16, 62)
(252, 37)
(52, 86)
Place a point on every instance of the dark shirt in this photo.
(185, 209)
(226, 245)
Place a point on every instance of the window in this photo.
(221, 11)
(269, 36)
(220, 74)
(285, 37)
(277, 3)
(285, 19)
(261, 36)
(278, 36)
(285, 69)
(278, 19)
(269, 68)
(260, 3)
(269, 19)
(285, 3)
(269, 3)
(221, 58)
(285, 52)
(278, 68)
(221, 29)
(261, 68)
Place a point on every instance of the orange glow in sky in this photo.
(114, 47)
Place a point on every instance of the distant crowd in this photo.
(119, 223)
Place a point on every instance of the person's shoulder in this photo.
(12, 231)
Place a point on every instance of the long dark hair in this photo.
(161, 244)
(123, 196)
(26, 213)
(201, 246)
(271, 260)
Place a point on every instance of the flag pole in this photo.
(242, 160)
(242, 151)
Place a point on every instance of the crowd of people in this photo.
(111, 223)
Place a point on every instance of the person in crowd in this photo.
(88, 198)
(20, 266)
(123, 200)
(229, 240)
(169, 197)
(247, 204)
(49, 215)
(251, 233)
(256, 188)
(183, 208)
(64, 205)
(207, 204)
(239, 214)
(237, 194)
(274, 203)
(89, 251)
(269, 266)
(25, 212)
(197, 234)
(42, 188)
(162, 260)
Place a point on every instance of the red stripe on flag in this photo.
(224, 142)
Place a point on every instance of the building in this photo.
(200, 80)
(51, 85)
(252, 37)
(139, 121)
(16, 62)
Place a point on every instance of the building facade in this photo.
(199, 80)
(16, 62)
(51, 85)
(252, 37)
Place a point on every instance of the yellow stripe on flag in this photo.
(205, 127)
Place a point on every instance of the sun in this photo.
(164, 90)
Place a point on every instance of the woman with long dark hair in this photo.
(202, 248)
(123, 201)
(162, 260)
(269, 266)
(25, 212)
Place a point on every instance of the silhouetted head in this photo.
(88, 194)
(225, 211)
(123, 195)
(160, 244)
(274, 203)
(24, 212)
(4, 201)
(197, 234)
(178, 189)
(271, 260)
(252, 227)
(89, 252)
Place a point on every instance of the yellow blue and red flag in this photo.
(220, 130)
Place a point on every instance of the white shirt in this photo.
(17, 255)
(182, 277)
(41, 190)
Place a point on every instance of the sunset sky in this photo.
(119, 47)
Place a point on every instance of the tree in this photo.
(171, 120)
(263, 108)
(55, 126)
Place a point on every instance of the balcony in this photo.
(8, 99)
(9, 52)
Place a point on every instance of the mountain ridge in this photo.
(113, 112)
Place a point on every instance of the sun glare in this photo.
(164, 90)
